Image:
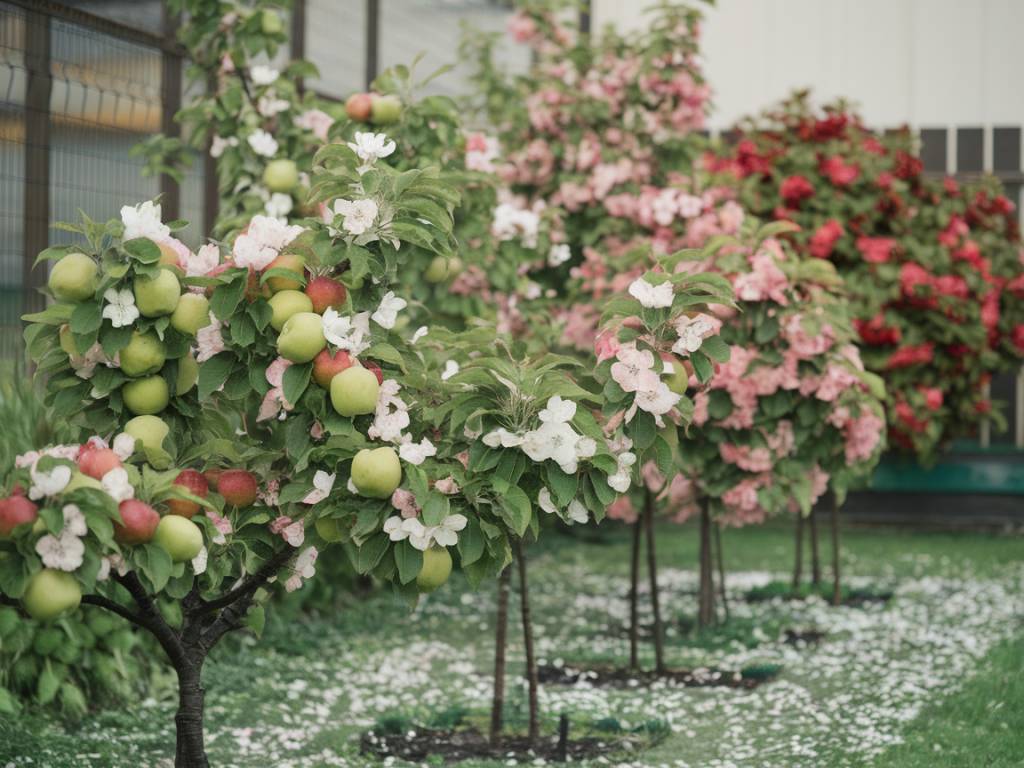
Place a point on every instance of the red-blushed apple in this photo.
(359, 107)
(191, 314)
(281, 175)
(96, 462)
(354, 391)
(375, 369)
(188, 374)
(326, 366)
(213, 477)
(50, 593)
(238, 487)
(302, 337)
(442, 269)
(146, 397)
(180, 537)
(138, 522)
(157, 296)
(74, 278)
(16, 510)
(284, 304)
(142, 355)
(193, 482)
(169, 258)
(326, 293)
(385, 110)
(376, 472)
(437, 567)
(293, 262)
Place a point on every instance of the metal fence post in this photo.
(372, 39)
(170, 97)
(37, 156)
(298, 36)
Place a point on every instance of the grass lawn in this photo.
(933, 677)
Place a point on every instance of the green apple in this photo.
(270, 22)
(51, 593)
(292, 262)
(354, 391)
(149, 433)
(144, 354)
(442, 269)
(679, 380)
(329, 529)
(302, 337)
(147, 396)
(74, 278)
(281, 175)
(284, 304)
(157, 296)
(385, 110)
(188, 375)
(179, 536)
(437, 567)
(191, 314)
(82, 480)
(376, 472)
(67, 340)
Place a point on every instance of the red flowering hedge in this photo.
(934, 269)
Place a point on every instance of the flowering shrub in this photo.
(934, 269)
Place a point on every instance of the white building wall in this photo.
(940, 63)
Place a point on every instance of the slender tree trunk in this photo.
(190, 752)
(531, 659)
(706, 604)
(721, 572)
(652, 569)
(798, 563)
(500, 643)
(837, 591)
(634, 584)
(815, 553)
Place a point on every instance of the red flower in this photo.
(749, 160)
(1017, 336)
(907, 166)
(832, 127)
(932, 397)
(990, 310)
(912, 277)
(840, 173)
(795, 189)
(983, 406)
(906, 415)
(824, 238)
(876, 250)
(876, 332)
(951, 187)
(952, 285)
(873, 145)
(884, 180)
(1016, 286)
(910, 355)
(956, 229)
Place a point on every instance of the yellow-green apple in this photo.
(679, 380)
(270, 22)
(302, 337)
(14, 511)
(149, 432)
(359, 107)
(293, 262)
(442, 269)
(50, 593)
(74, 278)
(385, 110)
(138, 522)
(329, 529)
(284, 304)
(192, 481)
(191, 314)
(81, 480)
(354, 391)
(238, 487)
(144, 354)
(180, 537)
(326, 293)
(145, 397)
(376, 472)
(170, 258)
(281, 175)
(326, 366)
(188, 374)
(157, 296)
(67, 340)
(96, 462)
(437, 567)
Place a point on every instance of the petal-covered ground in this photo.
(303, 696)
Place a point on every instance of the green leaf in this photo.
(515, 509)
(142, 250)
(471, 543)
(563, 485)
(371, 552)
(155, 564)
(715, 348)
(409, 561)
(296, 379)
(702, 366)
(213, 373)
(86, 318)
(226, 298)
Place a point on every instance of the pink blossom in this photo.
(405, 503)
(447, 486)
(634, 371)
(315, 120)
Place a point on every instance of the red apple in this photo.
(327, 366)
(325, 292)
(96, 462)
(359, 106)
(14, 511)
(193, 482)
(238, 487)
(373, 368)
(139, 522)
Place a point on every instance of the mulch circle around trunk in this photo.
(453, 746)
(621, 677)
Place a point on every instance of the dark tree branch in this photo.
(249, 585)
(114, 607)
(5, 600)
(151, 620)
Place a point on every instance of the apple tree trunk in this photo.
(706, 592)
(652, 570)
(500, 645)
(634, 584)
(837, 590)
(531, 658)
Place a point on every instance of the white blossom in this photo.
(545, 501)
(199, 562)
(219, 144)
(120, 308)
(559, 254)
(558, 411)
(323, 483)
(692, 331)
(651, 296)
(74, 521)
(262, 75)
(577, 512)
(416, 453)
(349, 333)
(49, 483)
(279, 205)
(269, 106)
(358, 215)
(451, 368)
(203, 261)
(446, 534)
(116, 484)
(419, 334)
(620, 481)
(65, 553)
(262, 143)
(386, 314)
(124, 445)
(370, 147)
(143, 220)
